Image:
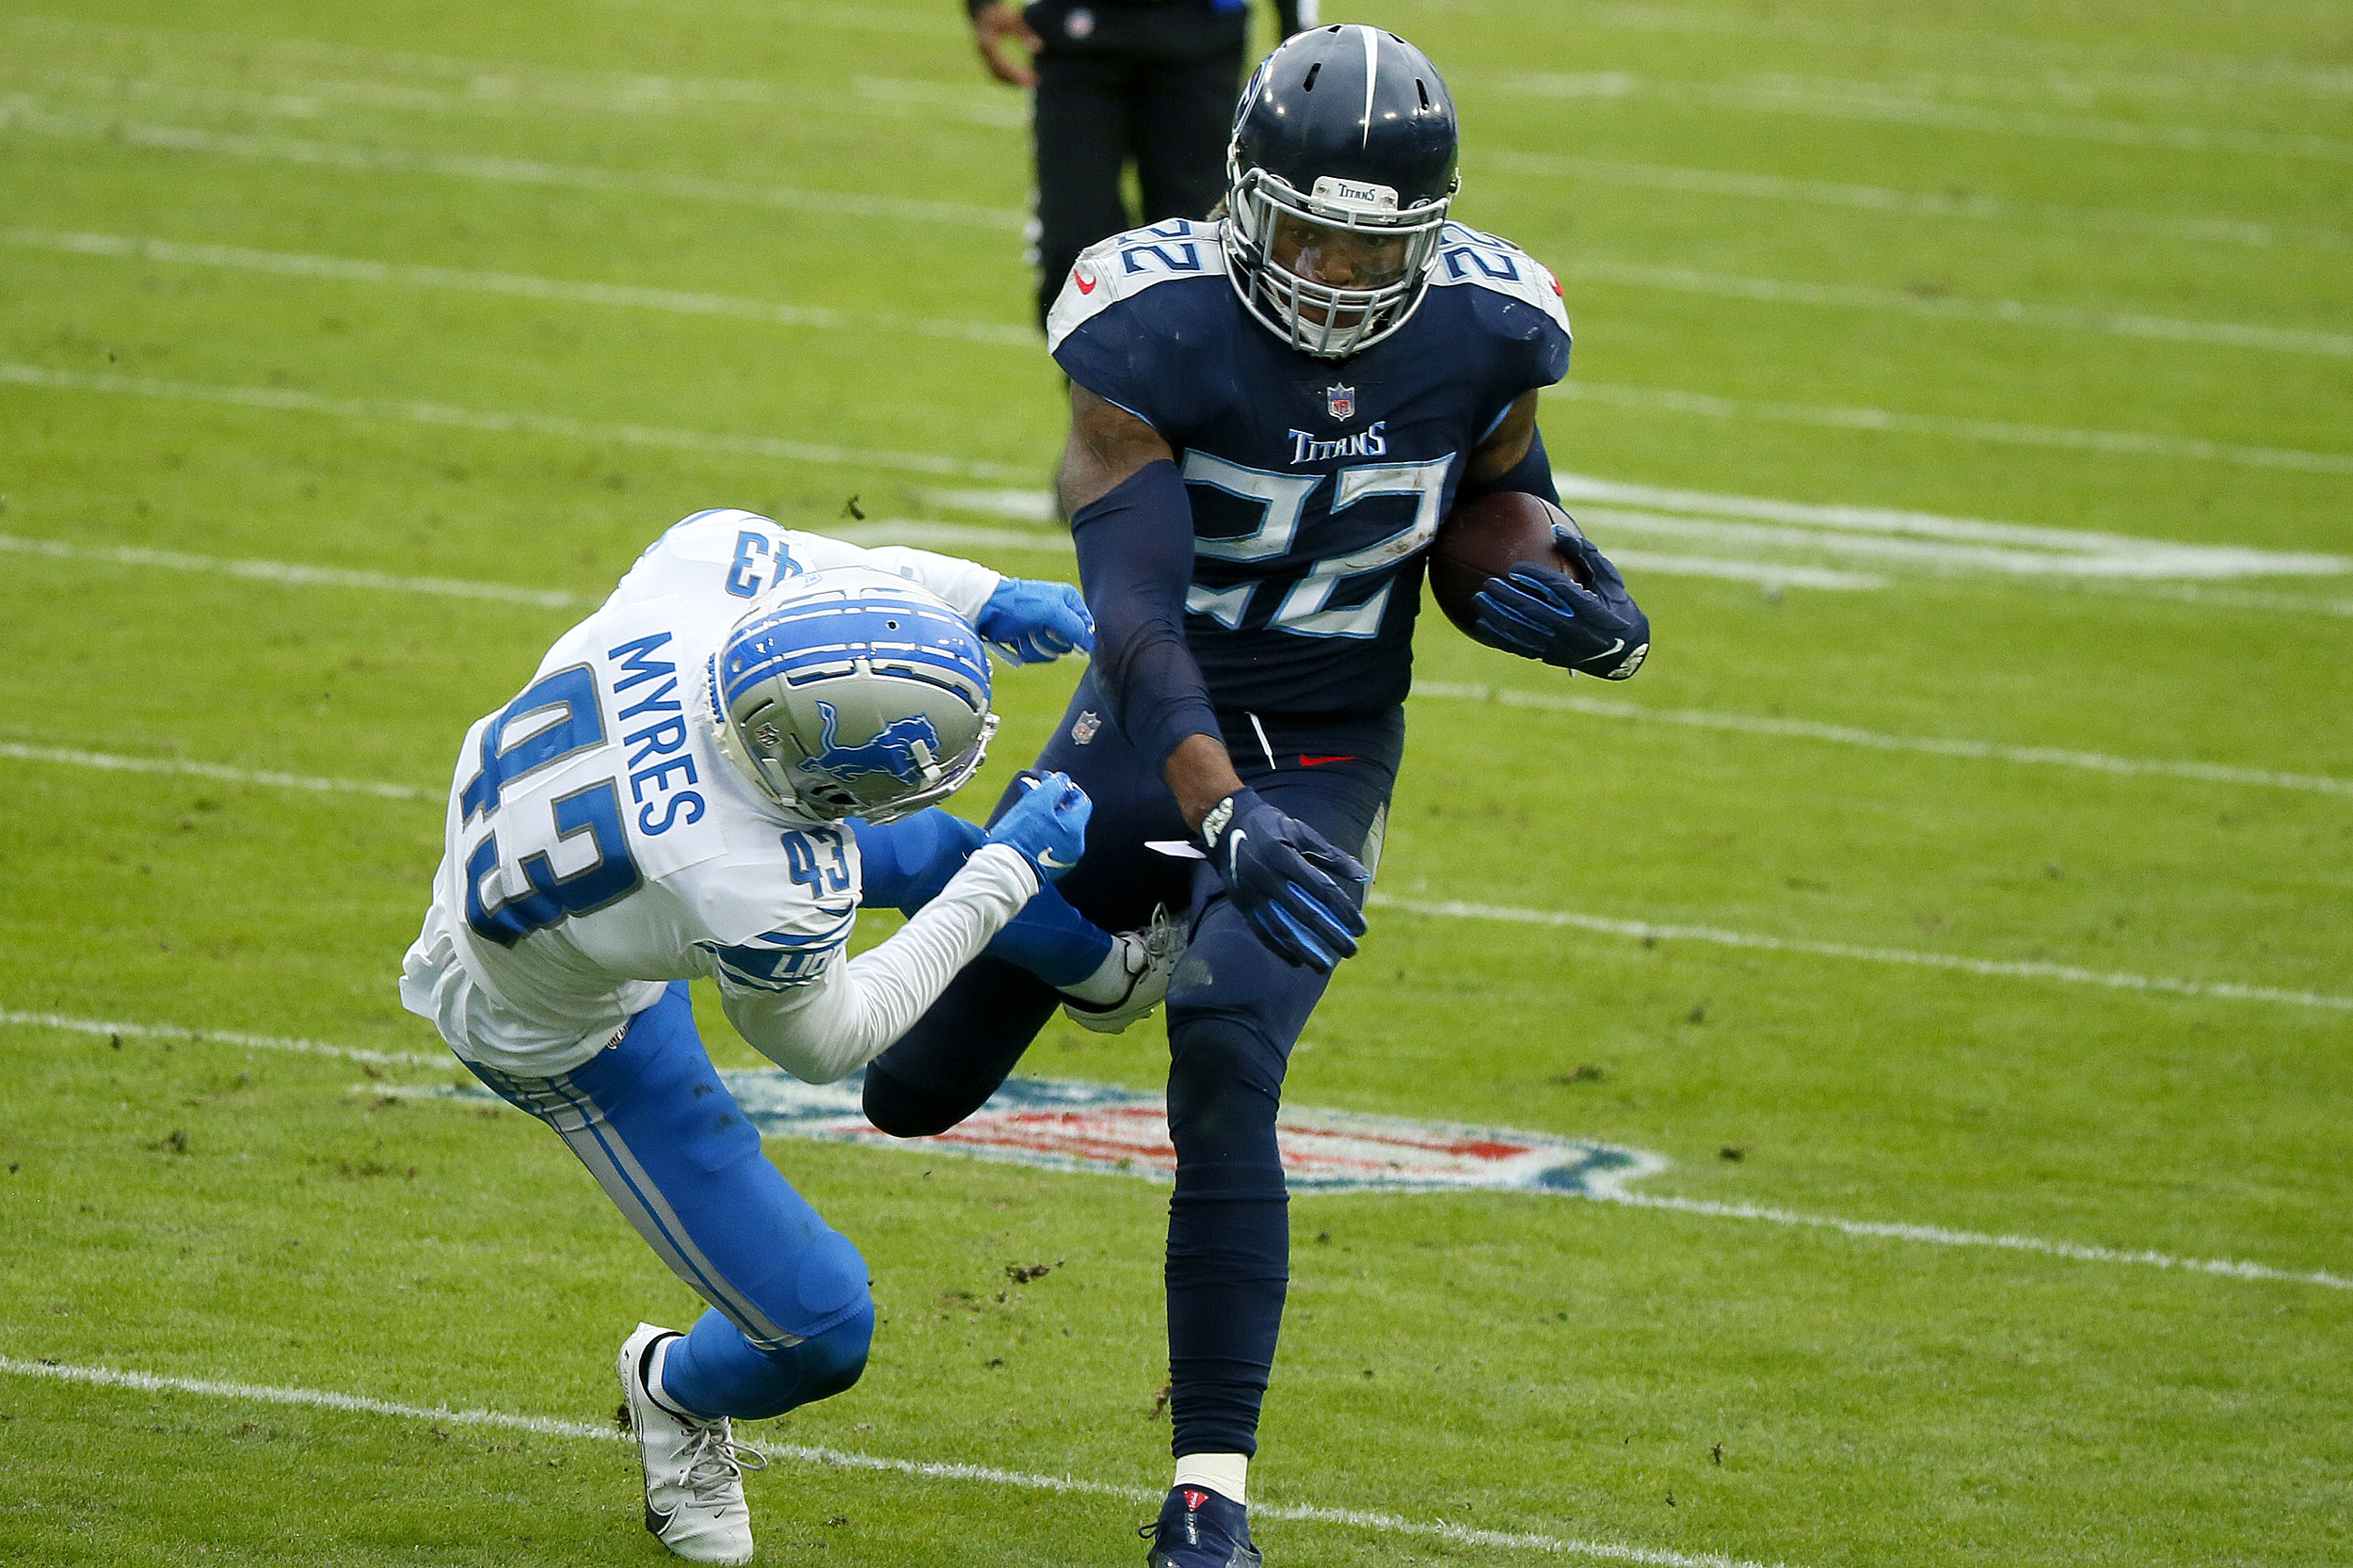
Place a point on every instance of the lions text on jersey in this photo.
(597, 846)
(1316, 486)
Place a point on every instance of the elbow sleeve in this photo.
(1135, 558)
(1531, 475)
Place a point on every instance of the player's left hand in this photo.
(1285, 879)
(1033, 623)
(1547, 615)
(1048, 827)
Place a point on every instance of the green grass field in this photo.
(1969, 875)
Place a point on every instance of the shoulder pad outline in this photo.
(1125, 264)
(1466, 256)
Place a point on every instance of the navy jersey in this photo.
(1316, 484)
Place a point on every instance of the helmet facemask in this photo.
(1391, 250)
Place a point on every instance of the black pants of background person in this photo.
(1096, 113)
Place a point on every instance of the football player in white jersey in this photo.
(707, 777)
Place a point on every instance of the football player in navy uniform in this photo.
(1271, 412)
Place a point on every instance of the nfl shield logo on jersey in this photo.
(1082, 729)
(1340, 401)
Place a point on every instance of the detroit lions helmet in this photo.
(852, 693)
(1342, 163)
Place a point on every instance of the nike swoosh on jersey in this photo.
(1306, 761)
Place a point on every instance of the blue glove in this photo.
(1032, 622)
(1279, 873)
(1049, 825)
(1546, 615)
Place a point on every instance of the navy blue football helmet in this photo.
(1341, 165)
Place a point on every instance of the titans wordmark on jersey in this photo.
(1316, 485)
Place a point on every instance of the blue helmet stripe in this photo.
(912, 663)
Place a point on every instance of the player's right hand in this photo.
(1286, 880)
(1048, 826)
(993, 24)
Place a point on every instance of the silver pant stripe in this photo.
(581, 1122)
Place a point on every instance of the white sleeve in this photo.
(965, 585)
(851, 1011)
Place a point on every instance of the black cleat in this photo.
(1198, 1528)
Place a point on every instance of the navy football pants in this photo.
(1234, 1011)
(789, 1315)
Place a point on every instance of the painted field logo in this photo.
(1061, 1123)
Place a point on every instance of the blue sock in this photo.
(908, 862)
(715, 1371)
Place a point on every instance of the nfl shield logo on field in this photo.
(1340, 401)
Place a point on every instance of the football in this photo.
(1486, 538)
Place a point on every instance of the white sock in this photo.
(654, 1374)
(653, 1382)
(1228, 1475)
(1109, 981)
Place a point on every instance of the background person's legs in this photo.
(1078, 131)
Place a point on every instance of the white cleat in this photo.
(1150, 959)
(694, 1471)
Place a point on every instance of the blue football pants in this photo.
(790, 1316)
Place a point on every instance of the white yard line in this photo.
(918, 533)
(2168, 72)
(1989, 968)
(980, 1475)
(1883, 537)
(293, 573)
(1840, 734)
(1457, 909)
(1939, 1236)
(2226, 598)
(1616, 1190)
(2008, 312)
(2202, 560)
(1870, 1229)
(343, 269)
(171, 1032)
(1910, 203)
(536, 92)
(19, 113)
(527, 286)
(16, 751)
(288, 400)
(2119, 443)
(1881, 104)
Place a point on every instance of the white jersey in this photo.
(598, 845)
